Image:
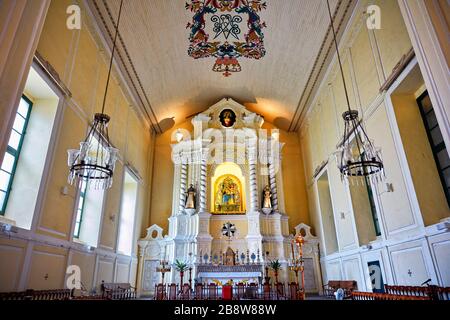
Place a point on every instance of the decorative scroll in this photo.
(226, 18)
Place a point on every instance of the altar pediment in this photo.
(239, 117)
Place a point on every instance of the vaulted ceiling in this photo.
(166, 82)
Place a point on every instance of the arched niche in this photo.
(224, 174)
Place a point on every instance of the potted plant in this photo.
(181, 267)
(275, 265)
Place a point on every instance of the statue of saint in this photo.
(190, 198)
(267, 195)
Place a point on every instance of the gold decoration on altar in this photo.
(228, 195)
(230, 257)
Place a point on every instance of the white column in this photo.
(183, 181)
(140, 269)
(203, 177)
(21, 24)
(254, 238)
(273, 185)
(252, 163)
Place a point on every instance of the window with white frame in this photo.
(11, 158)
(80, 210)
(127, 214)
(88, 210)
(24, 165)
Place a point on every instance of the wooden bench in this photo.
(358, 295)
(433, 292)
(199, 292)
(347, 285)
(443, 293)
(118, 291)
(90, 298)
(54, 294)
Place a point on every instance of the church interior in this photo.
(224, 150)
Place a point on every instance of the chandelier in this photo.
(356, 157)
(94, 162)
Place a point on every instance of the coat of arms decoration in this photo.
(224, 21)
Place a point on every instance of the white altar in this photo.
(231, 165)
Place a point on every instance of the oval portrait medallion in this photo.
(227, 118)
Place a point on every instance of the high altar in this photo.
(228, 216)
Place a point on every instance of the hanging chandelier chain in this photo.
(112, 55)
(338, 55)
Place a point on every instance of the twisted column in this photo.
(253, 187)
(273, 185)
(183, 181)
(203, 168)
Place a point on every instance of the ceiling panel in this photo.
(172, 84)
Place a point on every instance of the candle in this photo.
(292, 249)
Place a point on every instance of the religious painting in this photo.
(227, 118)
(228, 195)
(235, 28)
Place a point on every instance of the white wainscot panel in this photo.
(352, 271)
(409, 266)
(379, 272)
(105, 271)
(122, 272)
(334, 270)
(10, 267)
(440, 247)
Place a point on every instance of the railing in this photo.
(357, 295)
(250, 291)
(431, 291)
(56, 294)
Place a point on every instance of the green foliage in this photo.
(180, 266)
(275, 265)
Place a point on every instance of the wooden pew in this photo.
(185, 292)
(408, 290)
(443, 293)
(432, 291)
(54, 294)
(199, 292)
(118, 291)
(212, 292)
(90, 298)
(160, 291)
(358, 295)
(347, 285)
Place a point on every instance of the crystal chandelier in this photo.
(94, 162)
(356, 157)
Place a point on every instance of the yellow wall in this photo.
(82, 65)
(163, 173)
(430, 194)
(215, 227)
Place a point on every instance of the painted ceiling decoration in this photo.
(167, 86)
(226, 21)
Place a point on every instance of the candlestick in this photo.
(292, 249)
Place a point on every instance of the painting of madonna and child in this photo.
(228, 196)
